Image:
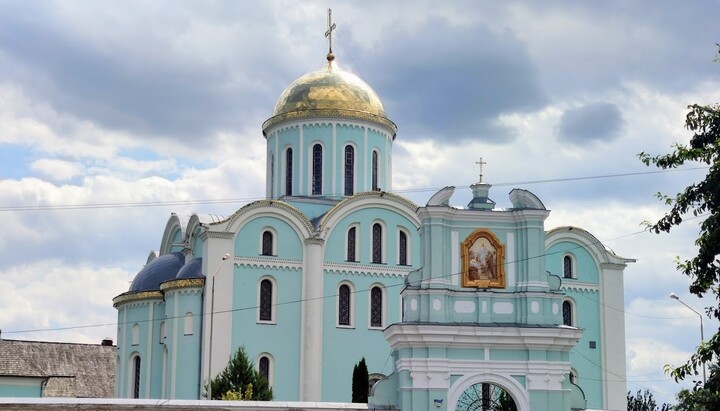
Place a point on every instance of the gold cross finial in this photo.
(480, 163)
(328, 34)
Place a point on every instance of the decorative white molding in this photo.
(503, 307)
(268, 263)
(464, 307)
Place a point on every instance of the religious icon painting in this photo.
(483, 260)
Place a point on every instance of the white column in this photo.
(311, 346)
(613, 335)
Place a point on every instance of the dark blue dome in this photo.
(193, 269)
(158, 270)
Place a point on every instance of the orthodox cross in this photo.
(480, 163)
(328, 33)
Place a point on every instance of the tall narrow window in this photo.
(288, 171)
(567, 313)
(376, 307)
(264, 367)
(344, 301)
(267, 243)
(188, 326)
(317, 170)
(351, 250)
(136, 377)
(272, 175)
(377, 243)
(403, 249)
(567, 267)
(375, 171)
(266, 300)
(349, 170)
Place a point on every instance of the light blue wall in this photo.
(280, 339)
(585, 360)
(344, 346)
(184, 347)
(247, 241)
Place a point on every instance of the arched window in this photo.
(402, 248)
(188, 329)
(162, 332)
(272, 175)
(265, 367)
(375, 186)
(136, 377)
(377, 246)
(344, 305)
(267, 243)
(317, 169)
(567, 313)
(349, 170)
(376, 307)
(568, 267)
(265, 306)
(288, 171)
(352, 244)
(135, 334)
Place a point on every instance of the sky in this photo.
(115, 114)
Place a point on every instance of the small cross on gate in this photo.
(480, 163)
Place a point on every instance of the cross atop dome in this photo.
(328, 34)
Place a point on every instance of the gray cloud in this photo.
(590, 123)
(452, 82)
(154, 89)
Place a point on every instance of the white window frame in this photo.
(383, 241)
(383, 296)
(311, 162)
(354, 169)
(188, 324)
(273, 313)
(271, 366)
(409, 246)
(357, 242)
(274, 251)
(573, 266)
(573, 312)
(352, 305)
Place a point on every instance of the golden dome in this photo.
(329, 92)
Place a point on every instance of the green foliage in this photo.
(644, 401)
(701, 199)
(360, 382)
(239, 395)
(706, 398)
(240, 379)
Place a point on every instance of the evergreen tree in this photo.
(360, 382)
(238, 379)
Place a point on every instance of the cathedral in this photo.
(453, 308)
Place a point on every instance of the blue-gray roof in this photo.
(161, 269)
(193, 269)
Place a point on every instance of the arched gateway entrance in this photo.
(485, 397)
(487, 392)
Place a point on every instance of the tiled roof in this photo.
(73, 370)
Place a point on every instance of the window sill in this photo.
(347, 327)
(188, 334)
(267, 255)
(376, 328)
(266, 322)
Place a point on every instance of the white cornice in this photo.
(264, 263)
(407, 335)
(361, 269)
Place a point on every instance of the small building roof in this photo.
(72, 370)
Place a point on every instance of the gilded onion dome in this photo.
(329, 92)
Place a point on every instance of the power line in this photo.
(301, 300)
(243, 200)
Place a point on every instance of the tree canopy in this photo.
(701, 199)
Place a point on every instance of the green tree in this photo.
(705, 399)
(360, 382)
(644, 401)
(240, 380)
(701, 199)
